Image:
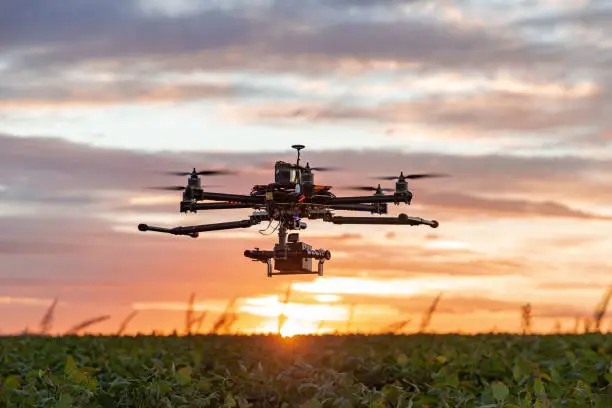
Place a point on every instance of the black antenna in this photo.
(298, 148)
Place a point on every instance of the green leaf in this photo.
(500, 391)
(204, 385)
(538, 386)
(73, 372)
(555, 376)
(539, 404)
(378, 403)
(11, 383)
(184, 375)
(516, 373)
(402, 359)
(65, 401)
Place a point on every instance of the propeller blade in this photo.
(215, 172)
(171, 188)
(368, 188)
(413, 176)
(200, 173)
(175, 188)
(177, 173)
(427, 175)
(325, 168)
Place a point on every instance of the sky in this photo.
(513, 99)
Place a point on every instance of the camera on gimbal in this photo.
(290, 258)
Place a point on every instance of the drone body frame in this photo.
(292, 197)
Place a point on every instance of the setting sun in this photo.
(292, 328)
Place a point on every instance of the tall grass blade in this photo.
(600, 310)
(282, 317)
(125, 323)
(47, 321)
(85, 324)
(526, 319)
(226, 317)
(189, 314)
(426, 320)
(349, 321)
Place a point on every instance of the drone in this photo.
(291, 198)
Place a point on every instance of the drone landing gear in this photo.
(271, 273)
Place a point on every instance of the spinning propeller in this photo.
(175, 188)
(369, 188)
(193, 181)
(199, 173)
(321, 168)
(411, 176)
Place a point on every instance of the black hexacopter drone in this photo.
(291, 197)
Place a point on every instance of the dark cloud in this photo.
(35, 23)
(594, 14)
(47, 171)
(102, 26)
(313, 38)
(256, 37)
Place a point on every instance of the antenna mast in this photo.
(298, 148)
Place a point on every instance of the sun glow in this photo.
(272, 307)
(407, 287)
(292, 327)
(327, 298)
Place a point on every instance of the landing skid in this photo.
(271, 271)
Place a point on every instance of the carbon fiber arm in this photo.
(193, 231)
(233, 198)
(378, 208)
(394, 198)
(187, 206)
(402, 219)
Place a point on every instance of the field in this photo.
(307, 371)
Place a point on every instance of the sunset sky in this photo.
(513, 99)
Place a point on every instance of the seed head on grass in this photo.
(600, 310)
(526, 319)
(85, 324)
(47, 321)
(125, 322)
(429, 314)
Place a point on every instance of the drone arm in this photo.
(193, 231)
(399, 197)
(234, 198)
(360, 207)
(193, 207)
(402, 219)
